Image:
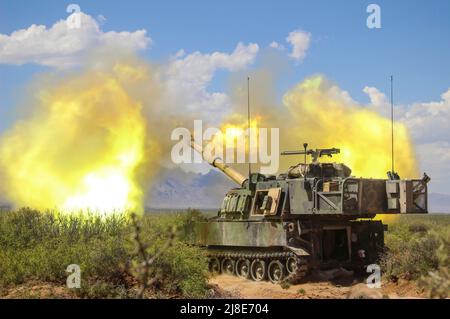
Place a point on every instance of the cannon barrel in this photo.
(218, 163)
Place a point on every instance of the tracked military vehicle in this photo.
(316, 215)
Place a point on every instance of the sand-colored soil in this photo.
(233, 287)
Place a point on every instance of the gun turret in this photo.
(218, 163)
(315, 154)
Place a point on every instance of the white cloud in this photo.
(187, 78)
(63, 44)
(101, 19)
(429, 126)
(434, 159)
(378, 101)
(200, 67)
(337, 93)
(276, 45)
(180, 53)
(382, 105)
(300, 41)
(186, 83)
(429, 122)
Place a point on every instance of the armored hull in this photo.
(315, 215)
(286, 249)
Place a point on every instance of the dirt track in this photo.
(234, 287)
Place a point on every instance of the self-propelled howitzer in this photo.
(316, 215)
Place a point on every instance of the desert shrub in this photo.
(411, 259)
(182, 269)
(101, 289)
(438, 282)
(418, 228)
(412, 246)
(40, 245)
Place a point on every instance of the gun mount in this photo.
(315, 154)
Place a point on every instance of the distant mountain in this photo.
(177, 189)
(4, 205)
(438, 203)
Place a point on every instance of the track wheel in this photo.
(228, 266)
(291, 265)
(258, 270)
(243, 268)
(214, 265)
(276, 271)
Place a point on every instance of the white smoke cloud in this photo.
(63, 44)
(300, 41)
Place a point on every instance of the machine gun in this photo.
(315, 154)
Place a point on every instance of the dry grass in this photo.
(418, 248)
(38, 246)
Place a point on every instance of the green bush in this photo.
(411, 259)
(39, 246)
(438, 282)
(412, 246)
(183, 270)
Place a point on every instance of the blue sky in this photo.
(413, 44)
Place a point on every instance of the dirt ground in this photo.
(225, 286)
(233, 287)
(37, 290)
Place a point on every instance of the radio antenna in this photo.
(248, 124)
(305, 146)
(392, 122)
